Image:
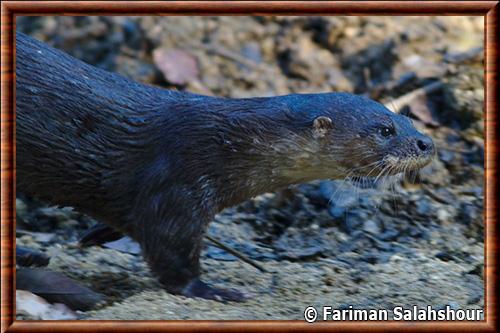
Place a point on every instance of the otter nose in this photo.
(425, 144)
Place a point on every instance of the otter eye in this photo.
(386, 131)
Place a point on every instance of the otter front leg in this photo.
(171, 237)
(175, 259)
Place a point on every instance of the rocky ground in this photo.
(322, 243)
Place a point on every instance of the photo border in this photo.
(10, 9)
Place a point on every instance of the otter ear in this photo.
(321, 126)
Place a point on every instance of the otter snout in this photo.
(410, 153)
(425, 145)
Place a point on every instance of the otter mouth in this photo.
(395, 165)
(390, 167)
(407, 164)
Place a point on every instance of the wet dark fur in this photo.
(159, 164)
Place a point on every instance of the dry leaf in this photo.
(178, 66)
(38, 308)
(57, 288)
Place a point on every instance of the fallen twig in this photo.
(397, 104)
(460, 57)
(236, 254)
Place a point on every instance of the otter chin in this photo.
(158, 165)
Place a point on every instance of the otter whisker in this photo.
(381, 173)
(343, 183)
(392, 187)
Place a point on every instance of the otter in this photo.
(157, 164)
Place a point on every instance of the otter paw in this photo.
(198, 288)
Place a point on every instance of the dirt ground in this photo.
(325, 242)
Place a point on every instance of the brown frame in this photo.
(488, 9)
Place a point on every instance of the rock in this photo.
(444, 255)
(443, 215)
(124, 244)
(371, 227)
(136, 69)
(21, 207)
(251, 50)
(30, 257)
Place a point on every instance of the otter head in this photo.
(356, 136)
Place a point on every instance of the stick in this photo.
(397, 104)
(236, 254)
